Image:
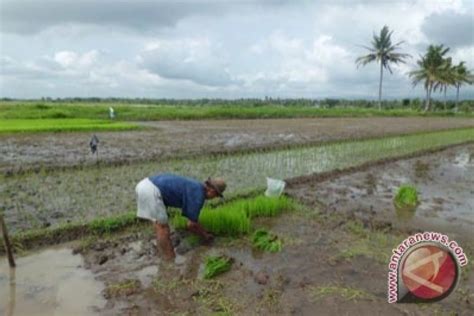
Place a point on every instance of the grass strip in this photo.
(61, 125)
(215, 265)
(163, 111)
(71, 231)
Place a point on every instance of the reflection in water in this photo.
(51, 282)
(12, 296)
(405, 213)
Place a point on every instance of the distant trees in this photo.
(436, 72)
(383, 52)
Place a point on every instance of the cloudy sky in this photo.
(219, 49)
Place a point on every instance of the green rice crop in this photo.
(216, 265)
(407, 196)
(228, 220)
(61, 125)
(233, 218)
(263, 206)
(165, 111)
(266, 241)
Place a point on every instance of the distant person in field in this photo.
(156, 193)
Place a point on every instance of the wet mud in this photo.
(444, 180)
(172, 139)
(291, 282)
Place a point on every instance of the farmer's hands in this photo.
(208, 239)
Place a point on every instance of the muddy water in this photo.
(45, 199)
(51, 282)
(445, 182)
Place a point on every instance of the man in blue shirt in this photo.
(156, 193)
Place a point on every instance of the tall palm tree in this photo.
(430, 69)
(383, 52)
(462, 76)
(446, 78)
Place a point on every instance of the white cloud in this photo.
(194, 59)
(214, 48)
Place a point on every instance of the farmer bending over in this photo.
(156, 193)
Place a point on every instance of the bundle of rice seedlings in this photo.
(407, 196)
(261, 206)
(230, 220)
(266, 241)
(216, 265)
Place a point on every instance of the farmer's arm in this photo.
(192, 210)
(197, 229)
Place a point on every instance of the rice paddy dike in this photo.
(51, 198)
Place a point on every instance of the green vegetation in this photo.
(46, 236)
(61, 125)
(372, 243)
(240, 109)
(436, 72)
(234, 218)
(347, 293)
(94, 193)
(216, 265)
(107, 225)
(266, 241)
(407, 196)
(227, 220)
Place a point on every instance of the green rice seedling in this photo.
(266, 241)
(60, 124)
(233, 219)
(112, 224)
(179, 222)
(407, 196)
(216, 265)
(267, 206)
(229, 220)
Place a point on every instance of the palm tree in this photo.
(446, 78)
(430, 69)
(461, 76)
(383, 52)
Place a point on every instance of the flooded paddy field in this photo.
(49, 282)
(335, 246)
(444, 180)
(49, 198)
(172, 139)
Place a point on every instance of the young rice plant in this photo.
(407, 196)
(216, 265)
(266, 241)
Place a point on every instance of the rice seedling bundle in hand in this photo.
(216, 265)
(266, 241)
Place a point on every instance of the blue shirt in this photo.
(181, 192)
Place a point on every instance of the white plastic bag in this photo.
(275, 187)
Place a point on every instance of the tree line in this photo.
(435, 70)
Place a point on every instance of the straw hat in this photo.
(218, 184)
